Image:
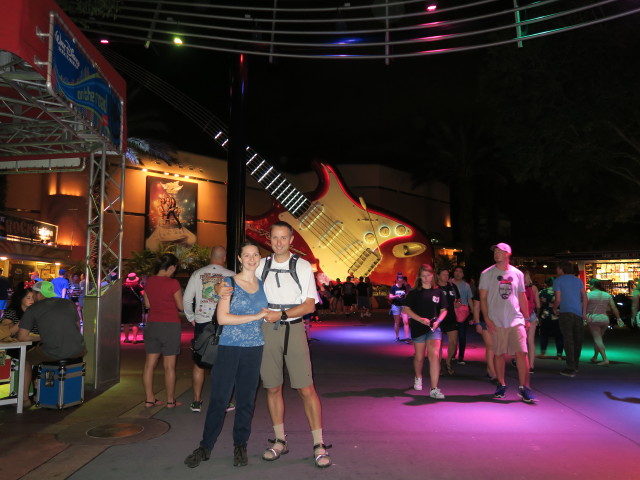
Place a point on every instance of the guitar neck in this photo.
(270, 179)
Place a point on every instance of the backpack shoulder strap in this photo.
(292, 269)
(267, 268)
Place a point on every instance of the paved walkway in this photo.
(586, 427)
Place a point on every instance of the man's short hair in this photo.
(566, 267)
(282, 223)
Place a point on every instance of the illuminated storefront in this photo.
(617, 270)
(28, 245)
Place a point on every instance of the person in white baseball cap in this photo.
(503, 303)
(502, 246)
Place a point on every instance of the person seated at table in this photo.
(59, 326)
(21, 299)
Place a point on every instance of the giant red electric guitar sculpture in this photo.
(342, 236)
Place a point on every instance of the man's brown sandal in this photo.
(322, 460)
(271, 454)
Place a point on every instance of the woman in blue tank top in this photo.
(238, 362)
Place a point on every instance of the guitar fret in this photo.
(256, 169)
(274, 179)
(251, 159)
(265, 174)
(294, 206)
(284, 180)
(283, 192)
(287, 202)
(297, 207)
(284, 200)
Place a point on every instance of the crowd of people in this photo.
(261, 310)
(508, 310)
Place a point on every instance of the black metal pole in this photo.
(236, 164)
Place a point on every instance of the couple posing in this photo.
(263, 331)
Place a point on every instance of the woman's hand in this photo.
(272, 316)
(262, 314)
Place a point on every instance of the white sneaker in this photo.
(417, 384)
(436, 393)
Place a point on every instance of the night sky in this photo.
(345, 112)
(298, 110)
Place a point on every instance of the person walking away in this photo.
(599, 304)
(482, 330)
(466, 298)
(571, 307)
(132, 301)
(426, 307)
(163, 298)
(76, 293)
(397, 293)
(336, 297)
(200, 302)
(503, 302)
(349, 295)
(533, 304)
(549, 326)
(4, 292)
(450, 325)
(61, 284)
(635, 305)
(364, 304)
(239, 357)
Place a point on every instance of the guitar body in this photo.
(342, 238)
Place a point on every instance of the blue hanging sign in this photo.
(74, 77)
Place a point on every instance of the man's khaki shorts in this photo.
(509, 340)
(297, 358)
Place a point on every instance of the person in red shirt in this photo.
(163, 298)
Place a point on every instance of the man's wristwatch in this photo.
(284, 316)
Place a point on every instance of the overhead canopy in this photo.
(60, 99)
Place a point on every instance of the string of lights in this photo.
(349, 30)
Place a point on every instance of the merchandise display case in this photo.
(616, 275)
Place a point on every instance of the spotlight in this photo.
(104, 41)
(177, 41)
(432, 6)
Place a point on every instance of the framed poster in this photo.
(171, 212)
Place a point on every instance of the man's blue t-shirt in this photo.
(569, 287)
(59, 284)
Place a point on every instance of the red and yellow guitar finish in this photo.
(335, 232)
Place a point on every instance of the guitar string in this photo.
(204, 118)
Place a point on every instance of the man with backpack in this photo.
(291, 292)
